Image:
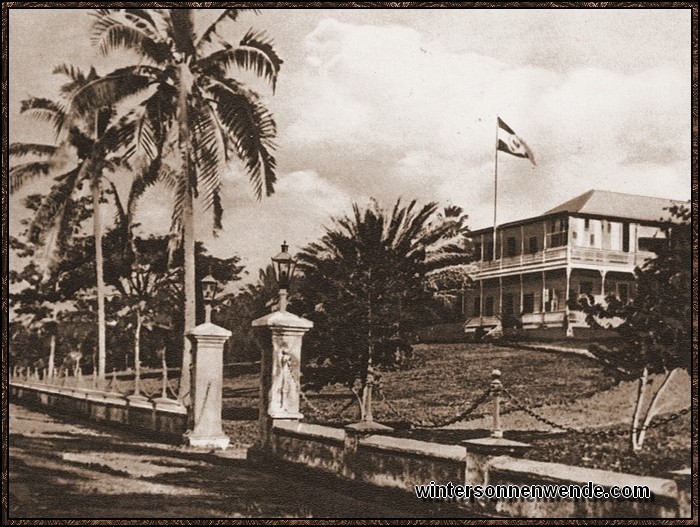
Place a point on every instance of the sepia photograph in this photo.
(390, 261)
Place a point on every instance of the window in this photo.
(587, 224)
(574, 235)
(533, 245)
(623, 293)
(510, 246)
(488, 306)
(585, 288)
(488, 251)
(626, 237)
(609, 226)
(508, 304)
(477, 307)
(551, 300)
(529, 303)
(477, 251)
(592, 239)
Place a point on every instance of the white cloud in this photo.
(368, 107)
(418, 120)
(297, 212)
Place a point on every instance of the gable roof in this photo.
(616, 205)
(603, 203)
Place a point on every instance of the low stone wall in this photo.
(400, 464)
(156, 416)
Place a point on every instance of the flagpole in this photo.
(495, 191)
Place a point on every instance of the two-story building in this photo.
(589, 245)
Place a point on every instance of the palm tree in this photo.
(192, 106)
(364, 286)
(89, 139)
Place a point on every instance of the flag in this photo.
(511, 143)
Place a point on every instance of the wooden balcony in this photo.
(560, 257)
(606, 258)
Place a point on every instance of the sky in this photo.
(402, 103)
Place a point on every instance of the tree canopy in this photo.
(364, 287)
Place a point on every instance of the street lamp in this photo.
(208, 292)
(284, 267)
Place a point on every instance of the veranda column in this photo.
(569, 329)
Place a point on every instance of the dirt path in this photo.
(61, 469)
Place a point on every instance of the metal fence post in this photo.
(496, 389)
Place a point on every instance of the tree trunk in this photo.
(638, 408)
(99, 267)
(651, 412)
(187, 236)
(52, 356)
(137, 353)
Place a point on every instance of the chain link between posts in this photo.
(316, 410)
(462, 416)
(656, 423)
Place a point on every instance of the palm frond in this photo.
(231, 14)
(75, 75)
(121, 219)
(21, 174)
(137, 33)
(108, 90)
(181, 30)
(34, 149)
(256, 53)
(142, 130)
(207, 148)
(179, 196)
(44, 110)
(142, 19)
(52, 205)
(251, 130)
(140, 183)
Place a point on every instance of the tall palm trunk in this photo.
(52, 356)
(187, 236)
(190, 291)
(99, 267)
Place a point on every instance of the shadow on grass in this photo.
(238, 413)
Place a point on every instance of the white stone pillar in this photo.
(207, 432)
(280, 370)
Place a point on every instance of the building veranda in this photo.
(584, 249)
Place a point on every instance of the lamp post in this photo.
(205, 413)
(208, 292)
(280, 366)
(284, 268)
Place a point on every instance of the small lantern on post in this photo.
(208, 292)
(284, 267)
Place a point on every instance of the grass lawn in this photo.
(445, 378)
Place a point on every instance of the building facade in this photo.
(589, 245)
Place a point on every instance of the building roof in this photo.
(603, 203)
(616, 205)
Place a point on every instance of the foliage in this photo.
(45, 315)
(82, 154)
(141, 282)
(656, 335)
(364, 288)
(238, 311)
(189, 111)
